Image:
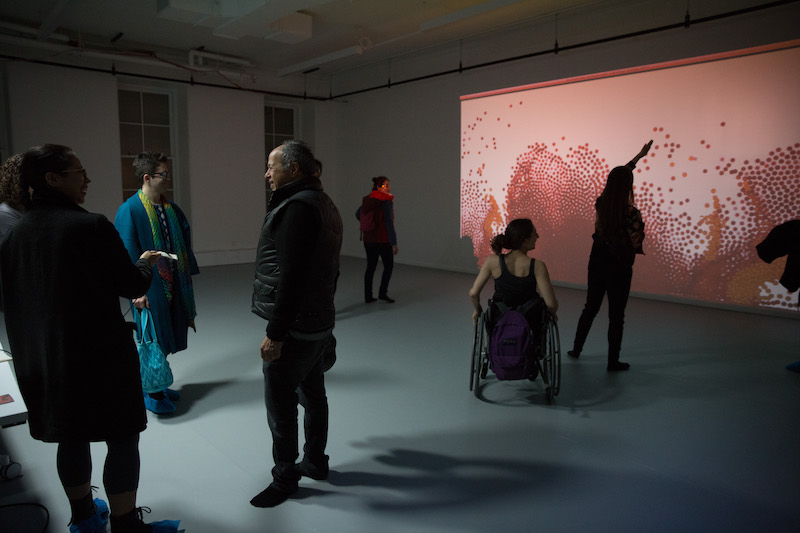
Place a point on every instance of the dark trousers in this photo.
(374, 251)
(606, 276)
(297, 377)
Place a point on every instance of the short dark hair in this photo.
(298, 152)
(39, 160)
(378, 181)
(147, 163)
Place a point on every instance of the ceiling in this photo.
(278, 37)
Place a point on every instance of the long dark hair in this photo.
(516, 232)
(613, 202)
(39, 160)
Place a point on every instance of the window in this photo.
(278, 127)
(144, 125)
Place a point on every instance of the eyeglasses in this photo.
(81, 170)
(164, 175)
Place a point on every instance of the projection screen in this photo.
(724, 169)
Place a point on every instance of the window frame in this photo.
(174, 156)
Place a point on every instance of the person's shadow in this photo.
(440, 480)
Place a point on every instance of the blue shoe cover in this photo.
(172, 395)
(95, 523)
(160, 407)
(165, 526)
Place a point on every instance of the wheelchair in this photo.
(546, 350)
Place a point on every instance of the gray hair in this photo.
(298, 152)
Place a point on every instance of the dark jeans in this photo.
(297, 377)
(605, 276)
(384, 251)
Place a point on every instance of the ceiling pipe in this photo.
(681, 24)
(461, 68)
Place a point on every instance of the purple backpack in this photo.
(511, 348)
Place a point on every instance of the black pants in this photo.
(384, 251)
(121, 470)
(606, 276)
(297, 377)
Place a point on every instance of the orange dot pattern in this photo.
(552, 190)
(709, 257)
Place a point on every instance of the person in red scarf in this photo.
(376, 217)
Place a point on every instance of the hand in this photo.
(193, 325)
(476, 315)
(270, 349)
(395, 249)
(151, 256)
(643, 151)
(141, 303)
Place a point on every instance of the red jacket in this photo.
(382, 206)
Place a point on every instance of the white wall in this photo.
(223, 133)
(74, 108)
(226, 170)
(409, 132)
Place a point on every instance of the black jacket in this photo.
(784, 239)
(62, 272)
(297, 261)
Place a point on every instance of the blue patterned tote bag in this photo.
(153, 365)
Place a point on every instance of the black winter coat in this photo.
(62, 272)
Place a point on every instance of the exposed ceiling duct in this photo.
(278, 20)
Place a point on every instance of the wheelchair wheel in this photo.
(480, 359)
(551, 359)
(474, 358)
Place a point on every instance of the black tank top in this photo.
(513, 290)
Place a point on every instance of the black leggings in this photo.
(121, 471)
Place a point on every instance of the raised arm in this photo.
(545, 287)
(641, 154)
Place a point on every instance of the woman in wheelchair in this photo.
(517, 277)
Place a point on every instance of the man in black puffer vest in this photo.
(297, 266)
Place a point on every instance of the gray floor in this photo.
(701, 435)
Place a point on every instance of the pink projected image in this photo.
(723, 170)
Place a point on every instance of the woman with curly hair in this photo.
(15, 200)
